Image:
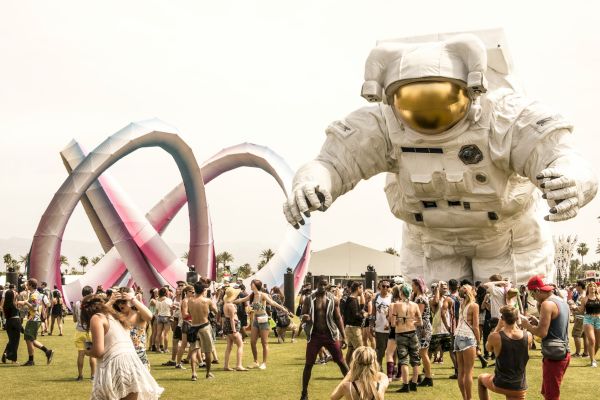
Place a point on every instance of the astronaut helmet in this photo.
(431, 86)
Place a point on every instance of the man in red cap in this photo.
(552, 327)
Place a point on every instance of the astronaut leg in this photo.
(518, 254)
(420, 257)
(494, 256)
(533, 248)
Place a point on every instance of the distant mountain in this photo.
(243, 252)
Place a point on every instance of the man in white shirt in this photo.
(379, 320)
(497, 289)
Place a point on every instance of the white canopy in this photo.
(351, 259)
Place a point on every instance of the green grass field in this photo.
(281, 380)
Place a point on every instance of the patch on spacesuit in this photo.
(550, 123)
(544, 121)
(340, 128)
(470, 154)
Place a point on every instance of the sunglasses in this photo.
(385, 286)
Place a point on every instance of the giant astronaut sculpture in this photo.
(464, 151)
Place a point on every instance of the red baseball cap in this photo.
(536, 282)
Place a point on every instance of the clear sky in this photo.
(274, 73)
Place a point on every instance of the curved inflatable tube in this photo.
(45, 251)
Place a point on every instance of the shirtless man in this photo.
(324, 328)
(406, 316)
(200, 332)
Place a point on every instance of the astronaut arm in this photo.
(356, 148)
(541, 148)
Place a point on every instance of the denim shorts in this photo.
(462, 343)
(592, 320)
(260, 326)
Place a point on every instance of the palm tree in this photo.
(24, 260)
(244, 271)
(185, 256)
(224, 258)
(261, 264)
(392, 251)
(575, 270)
(582, 250)
(83, 261)
(64, 261)
(96, 260)
(598, 247)
(266, 255)
(8, 260)
(16, 265)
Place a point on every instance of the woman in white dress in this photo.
(120, 374)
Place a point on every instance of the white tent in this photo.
(351, 259)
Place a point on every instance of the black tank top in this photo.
(510, 364)
(592, 306)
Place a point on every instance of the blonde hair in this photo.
(469, 295)
(364, 369)
(369, 293)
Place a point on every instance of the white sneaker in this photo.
(262, 366)
(594, 364)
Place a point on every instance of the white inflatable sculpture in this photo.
(564, 247)
(465, 153)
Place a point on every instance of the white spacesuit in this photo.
(464, 159)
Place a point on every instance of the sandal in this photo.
(241, 369)
(228, 369)
(194, 378)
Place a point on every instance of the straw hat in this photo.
(231, 294)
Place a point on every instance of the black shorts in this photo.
(177, 333)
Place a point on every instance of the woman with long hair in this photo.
(424, 330)
(153, 324)
(466, 340)
(231, 329)
(367, 334)
(260, 323)
(363, 381)
(56, 312)
(390, 350)
(137, 316)
(283, 322)
(163, 320)
(590, 306)
(120, 374)
(13, 326)
(188, 291)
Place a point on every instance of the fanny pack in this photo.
(555, 349)
(262, 319)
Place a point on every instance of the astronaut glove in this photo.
(562, 193)
(306, 197)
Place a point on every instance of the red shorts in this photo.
(318, 340)
(552, 376)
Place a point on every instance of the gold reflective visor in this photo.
(431, 107)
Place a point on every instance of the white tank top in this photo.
(463, 328)
(116, 341)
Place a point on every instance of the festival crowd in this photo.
(394, 333)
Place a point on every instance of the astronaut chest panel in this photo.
(456, 170)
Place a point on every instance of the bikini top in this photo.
(358, 391)
(258, 305)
